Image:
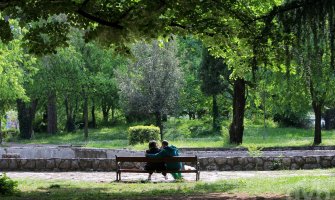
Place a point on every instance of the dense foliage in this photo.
(142, 134)
(278, 61)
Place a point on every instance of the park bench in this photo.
(183, 159)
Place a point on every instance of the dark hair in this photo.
(152, 144)
(165, 143)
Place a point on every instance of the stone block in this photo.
(286, 162)
(220, 160)
(259, 161)
(326, 163)
(85, 164)
(295, 167)
(211, 167)
(4, 164)
(268, 165)
(227, 168)
(327, 158)
(333, 162)
(13, 164)
(74, 164)
(242, 161)
(310, 160)
(249, 166)
(299, 160)
(95, 164)
(50, 164)
(41, 164)
(30, 164)
(230, 161)
(57, 162)
(203, 161)
(65, 165)
(311, 166)
(237, 168)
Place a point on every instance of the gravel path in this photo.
(204, 176)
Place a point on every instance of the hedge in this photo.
(142, 134)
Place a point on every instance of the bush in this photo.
(10, 133)
(7, 185)
(141, 134)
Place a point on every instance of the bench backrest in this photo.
(166, 159)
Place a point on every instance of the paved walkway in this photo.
(204, 176)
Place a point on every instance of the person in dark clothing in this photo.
(153, 149)
(169, 151)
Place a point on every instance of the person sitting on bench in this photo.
(169, 151)
(153, 149)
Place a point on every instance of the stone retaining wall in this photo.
(207, 164)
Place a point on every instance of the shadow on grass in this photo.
(312, 193)
(122, 191)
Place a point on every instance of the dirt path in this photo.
(204, 176)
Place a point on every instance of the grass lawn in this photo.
(305, 187)
(189, 133)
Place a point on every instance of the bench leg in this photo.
(197, 176)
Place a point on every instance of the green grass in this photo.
(297, 186)
(190, 133)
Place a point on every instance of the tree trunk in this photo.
(236, 127)
(94, 123)
(52, 114)
(105, 112)
(70, 125)
(85, 115)
(317, 130)
(216, 123)
(327, 119)
(113, 112)
(159, 123)
(26, 115)
(0, 132)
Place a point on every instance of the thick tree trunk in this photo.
(237, 127)
(85, 115)
(52, 114)
(0, 132)
(159, 123)
(94, 123)
(26, 115)
(216, 122)
(317, 129)
(70, 125)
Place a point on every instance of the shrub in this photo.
(7, 185)
(141, 134)
(10, 133)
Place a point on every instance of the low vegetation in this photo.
(187, 133)
(311, 186)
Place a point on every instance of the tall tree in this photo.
(16, 68)
(311, 27)
(214, 74)
(151, 84)
(192, 100)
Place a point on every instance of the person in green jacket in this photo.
(169, 151)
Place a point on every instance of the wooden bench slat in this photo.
(166, 171)
(167, 159)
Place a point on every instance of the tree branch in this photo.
(99, 20)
